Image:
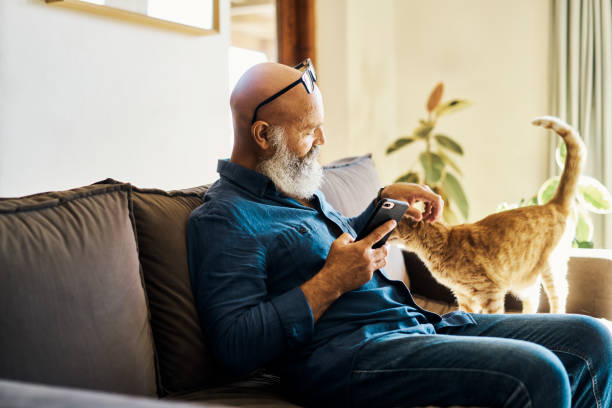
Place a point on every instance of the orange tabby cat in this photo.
(511, 251)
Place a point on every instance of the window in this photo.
(253, 35)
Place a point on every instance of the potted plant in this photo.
(436, 166)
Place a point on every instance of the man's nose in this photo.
(320, 136)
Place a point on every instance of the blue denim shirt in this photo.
(250, 248)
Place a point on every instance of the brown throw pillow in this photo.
(185, 362)
(73, 307)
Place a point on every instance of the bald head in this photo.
(294, 108)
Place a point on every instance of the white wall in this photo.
(84, 97)
(356, 66)
(495, 53)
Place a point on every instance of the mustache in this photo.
(312, 154)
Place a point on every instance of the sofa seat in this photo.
(17, 394)
(260, 390)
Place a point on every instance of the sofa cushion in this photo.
(350, 185)
(14, 394)
(185, 362)
(590, 279)
(260, 390)
(73, 307)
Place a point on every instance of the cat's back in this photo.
(523, 223)
(512, 240)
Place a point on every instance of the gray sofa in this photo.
(97, 308)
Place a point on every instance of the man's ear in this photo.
(259, 133)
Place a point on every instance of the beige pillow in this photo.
(350, 185)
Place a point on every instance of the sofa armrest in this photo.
(15, 394)
(589, 276)
(590, 282)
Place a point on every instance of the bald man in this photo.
(280, 282)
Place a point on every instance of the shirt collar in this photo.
(248, 179)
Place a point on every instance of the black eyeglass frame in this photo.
(308, 71)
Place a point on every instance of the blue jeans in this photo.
(550, 361)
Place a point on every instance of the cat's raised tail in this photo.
(574, 159)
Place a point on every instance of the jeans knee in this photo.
(551, 367)
(591, 342)
(594, 337)
(602, 333)
(545, 377)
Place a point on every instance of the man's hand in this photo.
(413, 193)
(349, 265)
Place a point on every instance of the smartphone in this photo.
(385, 210)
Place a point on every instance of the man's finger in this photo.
(428, 210)
(379, 233)
(380, 253)
(438, 207)
(413, 213)
(433, 208)
(345, 238)
(381, 264)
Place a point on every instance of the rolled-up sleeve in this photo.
(247, 327)
(295, 316)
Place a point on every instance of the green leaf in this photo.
(560, 153)
(424, 130)
(449, 143)
(449, 216)
(433, 166)
(410, 177)
(450, 162)
(399, 143)
(547, 190)
(451, 106)
(583, 244)
(455, 192)
(584, 227)
(594, 196)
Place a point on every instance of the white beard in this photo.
(294, 176)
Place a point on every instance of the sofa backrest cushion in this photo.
(74, 311)
(350, 185)
(184, 360)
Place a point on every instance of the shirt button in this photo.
(303, 229)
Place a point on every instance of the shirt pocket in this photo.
(307, 245)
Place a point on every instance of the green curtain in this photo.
(582, 87)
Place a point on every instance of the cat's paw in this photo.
(554, 123)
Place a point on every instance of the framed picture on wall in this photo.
(194, 16)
